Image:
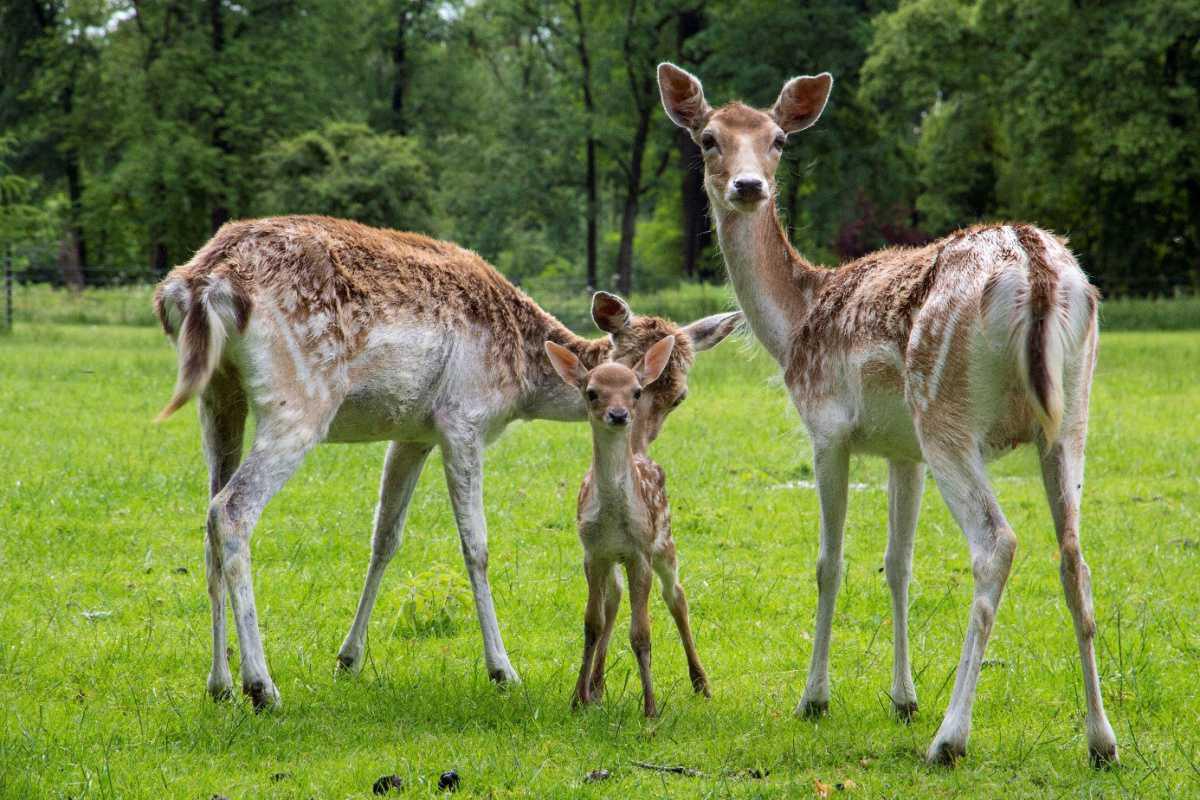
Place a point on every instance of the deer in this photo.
(948, 355)
(332, 331)
(624, 518)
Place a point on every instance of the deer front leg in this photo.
(639, 575)
(594, 623)
(462, 454)
(832, 468)
(612, 604)
(672, 591)
(401, 470)
(232, 516)
(906, 481)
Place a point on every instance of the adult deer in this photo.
(948, 354)
(328, 330)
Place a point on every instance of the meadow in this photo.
(104, 622)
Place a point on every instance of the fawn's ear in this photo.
(682, 97)
(711, 331)
(610, 313)
(655, 361)
(801, 102)
(566, 364)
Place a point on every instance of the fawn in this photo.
(624, 518)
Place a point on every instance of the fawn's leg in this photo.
(597, 574)
(1062, 472)
(462, 454)
(832, 467)
(906, 481)
(231, 519)
(222, 426)
(672, 591)
(612, 603)
(401, 470)
(963, 482)
(639, 575)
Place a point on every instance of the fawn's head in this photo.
(741, 145)
(612, 391)
(632, 338)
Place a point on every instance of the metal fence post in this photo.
(8, 289)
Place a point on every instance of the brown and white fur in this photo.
(949, 354)
(624, 520)
(327, 330)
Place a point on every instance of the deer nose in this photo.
(748, 187)
(618, 416)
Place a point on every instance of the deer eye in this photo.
(637, 393)
(780, 141)
(592, 396)
(679, 400)
(709, 142)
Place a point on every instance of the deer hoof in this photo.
(346, 665)
(263, 695)
(946, 753)
(813, 709)
(905, 712)
(1103, 756)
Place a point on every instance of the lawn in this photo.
(104, 623)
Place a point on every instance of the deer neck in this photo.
(612, 463)
(773, 282)
(546, 396)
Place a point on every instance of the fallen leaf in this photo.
(821, 789)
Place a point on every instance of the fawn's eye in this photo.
(780, 141)
(709, 142)
(679, 400)
(637, 393)
(592, 396)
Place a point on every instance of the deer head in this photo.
(741, 145)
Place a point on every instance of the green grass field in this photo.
(104, 624)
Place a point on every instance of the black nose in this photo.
(618, 416)
(748, 187)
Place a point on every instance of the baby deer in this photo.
(624, 519)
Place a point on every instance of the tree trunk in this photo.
(633, 191)
(219, 213)
(593, 208)
(696, 231)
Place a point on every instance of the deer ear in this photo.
(682, 97)
(610, 313)
(566, 364)
(801, 102)
(711, 331)
(655, 361)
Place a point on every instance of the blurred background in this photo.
(532, 132)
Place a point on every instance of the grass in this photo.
(42, 304)
(102, 512)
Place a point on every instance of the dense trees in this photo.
(530, 129)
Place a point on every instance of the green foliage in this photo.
(436, 603)
(99, 511)
(347, 170)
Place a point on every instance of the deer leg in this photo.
(463, 458)
(639, 576)
(667, 568)
(594, 621)
(906, 480)
(222, 425)
(232, 516)
(401, 469)
(962, 480)
(612, 603)
(1062, 473)
(832, 468)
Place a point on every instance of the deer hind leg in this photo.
(401, 470)
(222, 425)
(463, 459)
(612, 604)
(640, 578)
(667, 568)
(962, 480)
(232, 516)
(1062, 473)
(906, 481)
(598, 574)
(832, 468)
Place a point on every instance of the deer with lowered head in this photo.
(949, 354)
(331, 331)
(624, 518)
